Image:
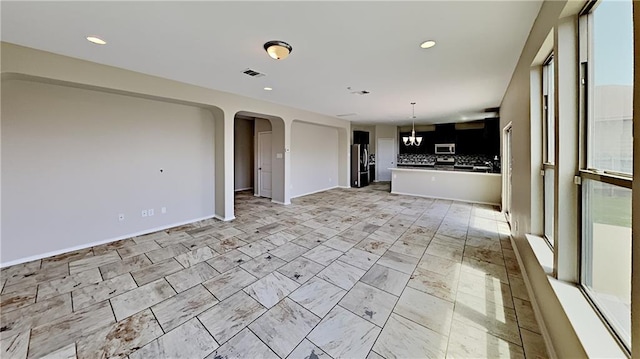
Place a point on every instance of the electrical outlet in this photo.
(121, 217)
(144, 213)
(163, 210)
(150, 212)
(433, 178)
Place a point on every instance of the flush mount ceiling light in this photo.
(268, 89)
(96, 40)
(412, 140)
(278, 49)
(427, 44)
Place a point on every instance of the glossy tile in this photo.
(526, 317)
(399, 262)
(491, 317)
(488, 288)
(67, 329)
(263, 265)
(244, 345)
(189, 277)
(323, 255)
(181, 307)
(229, 282)
(374, 246)
(92, 262)
(141, 298)
(15, 346)
(68, 352)
(257, 248)
(126, 265)
(318, 296)
(271, 289)
(386, 279)
(307, 350)
(341, 274)
(343, 334)
(292, 321)
(300, 269)
(429, 311)
(156, 271)
(166, 252)
(472, 342)
(96, 293)
(20, 320)
(230, 316)
(190, 340)
(120, 339)
(534, 346)
(17, 299)
(227, 245)
(402, 338)
(369, 303)
(137, 249)
(289, 251)
(359, 258)
(228, 260)
(68, 283)
(193, 257)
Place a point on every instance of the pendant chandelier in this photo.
(412, 140)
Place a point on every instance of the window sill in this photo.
(594, 335)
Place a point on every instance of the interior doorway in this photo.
(507, 173)
(385, 158)
(264, 164)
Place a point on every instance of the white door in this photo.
(385, 158)
(264, 164)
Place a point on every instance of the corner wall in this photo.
(75, 159)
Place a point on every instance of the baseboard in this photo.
(534, 304)
(278, 202)
(445, 198)
(313, 192)
(243, 189)
(93, 244)
(224, 219)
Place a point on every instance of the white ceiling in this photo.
(364, 45)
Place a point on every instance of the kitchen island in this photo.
(464, 186)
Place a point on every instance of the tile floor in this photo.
(346, 273)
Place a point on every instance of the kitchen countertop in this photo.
(431, 169)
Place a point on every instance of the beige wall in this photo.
(243, 154)
(74, 159)
(40, 66)
(516, 109)
(314, 157)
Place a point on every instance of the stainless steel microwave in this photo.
(446, 149)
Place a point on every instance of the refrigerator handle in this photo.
(366, 157)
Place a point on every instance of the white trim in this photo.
(445, 198)
(224, 219)
(243, 189)
(105, 241)
(318, 191)
(596, 339)
(278, 202)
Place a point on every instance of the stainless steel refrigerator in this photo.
(359, 165)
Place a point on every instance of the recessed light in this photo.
(96, 40)
(268, 89)
(427, 44)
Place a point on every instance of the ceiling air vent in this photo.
(253, 73)
(363, 92)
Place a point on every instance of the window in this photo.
(548, 101)
(607, 162)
